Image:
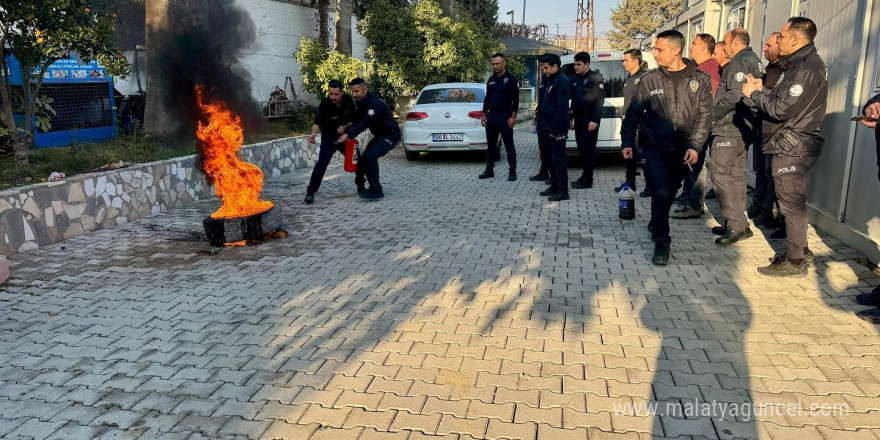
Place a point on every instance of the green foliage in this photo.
(299, 119)
(632, 17)
(415, 45)
(310, 56)
(40, 32)
(484, 12)
(318, 67)
(516, 66)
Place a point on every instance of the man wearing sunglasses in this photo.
(796, 108)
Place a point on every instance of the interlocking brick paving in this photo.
(455, 308)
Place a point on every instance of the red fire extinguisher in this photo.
(352, 154)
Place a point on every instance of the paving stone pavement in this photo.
(453, 309)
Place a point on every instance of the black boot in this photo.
(487, 174)
(540, 177)
(870, 298)
(730, 237)
(661, 250)
(558, 197)
(779, 233)
(511, 174)
(549, 192)
(310, 198)
(870, 315)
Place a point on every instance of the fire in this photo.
(237, 183)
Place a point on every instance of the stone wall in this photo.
(46, 213)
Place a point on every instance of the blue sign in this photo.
(64, 70)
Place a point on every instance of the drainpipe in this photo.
(856, 110)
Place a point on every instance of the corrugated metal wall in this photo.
(841, 43)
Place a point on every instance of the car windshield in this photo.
(613, 72)
(451, 95)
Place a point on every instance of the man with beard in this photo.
(796, 108)
(334, 117)
(499, 116)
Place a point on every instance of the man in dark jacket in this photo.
(673, 107)
(734, 128)
(798, 103)
(334, 116)
(372, 114)
(587, 99)
(636, 69)
(872, 110)
(499, 116)
(761, 209)
(553, 124)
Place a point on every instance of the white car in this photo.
(445, 117)
(609, 65)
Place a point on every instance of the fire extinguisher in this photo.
(352, 154)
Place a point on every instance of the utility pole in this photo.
(585, 34)
(512, 22)
(524, 18)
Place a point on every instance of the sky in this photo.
(557, 12)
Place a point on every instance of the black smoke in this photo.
(203, 45)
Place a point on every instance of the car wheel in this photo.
(412, 155)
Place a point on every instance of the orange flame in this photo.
(237, 183)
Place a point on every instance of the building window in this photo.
(698, 27)
(736, 18)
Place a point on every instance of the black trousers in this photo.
(666, 170)
(765, 189)
(586, 144)
(369, 161)
(554, 157)
(790, 177)
(496, 124)
(325, 153)
(728, 176)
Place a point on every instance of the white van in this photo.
(610, 66)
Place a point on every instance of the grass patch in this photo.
(80, 158)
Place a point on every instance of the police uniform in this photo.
(329, 118)
(501, 102)
(797, 103)
(735, 128)
(553, 122)
(587, 99)
(765, 191)
(872, 298)
(674, 112)
(373, 114)
(629, 89)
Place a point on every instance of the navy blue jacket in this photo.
(330, 117)
(588, 96)
(874, 100)
(502, 94)
(552, 111)
(374, 114)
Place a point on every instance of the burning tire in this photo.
(221, 231)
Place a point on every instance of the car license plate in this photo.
(444, 137)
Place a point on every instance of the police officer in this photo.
(587, 99)
(372, 114)
(636, 69)
(499, 116)
(334, 117)
(761, 209)
(673, 107)
(797, 105)
(872, 110)
(553, 124)
(735, 128)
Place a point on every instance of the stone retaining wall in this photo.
(46, 213)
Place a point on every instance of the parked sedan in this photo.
(445, 117)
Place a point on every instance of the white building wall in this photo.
(279, 27)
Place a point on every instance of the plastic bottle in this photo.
(626, 202)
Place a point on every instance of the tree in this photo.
(415, 45)
(324, 22)
(158, 22)
(633, 17)
(540, 32)
(484, 12)
(38, 33)
(447, 6)
(342, 41)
